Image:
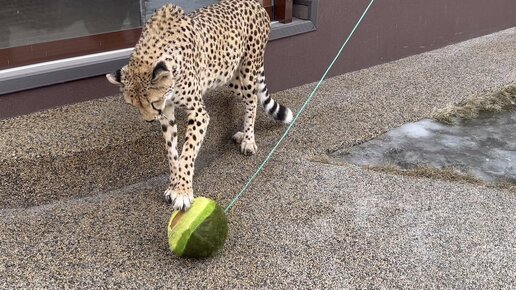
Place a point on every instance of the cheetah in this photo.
(178, 58)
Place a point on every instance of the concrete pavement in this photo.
(303, 223)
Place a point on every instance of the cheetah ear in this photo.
(159, 72)
(176, 10)
(115, 77)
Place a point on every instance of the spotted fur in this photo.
(179, 57)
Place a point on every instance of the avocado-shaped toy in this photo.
(200, 231)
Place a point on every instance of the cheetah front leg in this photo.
(169, 128)
(180, 193)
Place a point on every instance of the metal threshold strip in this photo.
(63, 70)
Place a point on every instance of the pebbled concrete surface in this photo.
(303, 223)
(91, 147)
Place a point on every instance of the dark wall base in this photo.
(29, 101)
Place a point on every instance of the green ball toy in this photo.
(200, 231)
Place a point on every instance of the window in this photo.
(36, 31)
(292, 17)
(279, 10)
(188, 5)
(53, 41)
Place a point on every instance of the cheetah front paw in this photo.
(180, 199)
(238, 137)
(247, 147)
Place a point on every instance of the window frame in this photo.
(297, 26)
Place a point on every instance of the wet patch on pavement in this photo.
(483, 148)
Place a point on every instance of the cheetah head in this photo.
(144, 87)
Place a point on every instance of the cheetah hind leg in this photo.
(251, 88)
(243, 87)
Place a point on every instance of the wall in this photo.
(392, 30)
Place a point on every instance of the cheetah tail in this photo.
(271, 107)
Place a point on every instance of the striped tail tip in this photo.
(288, 116)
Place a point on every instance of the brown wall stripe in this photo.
(59, 49)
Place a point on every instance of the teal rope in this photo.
(269, 156)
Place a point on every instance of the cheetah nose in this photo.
(149, 121)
